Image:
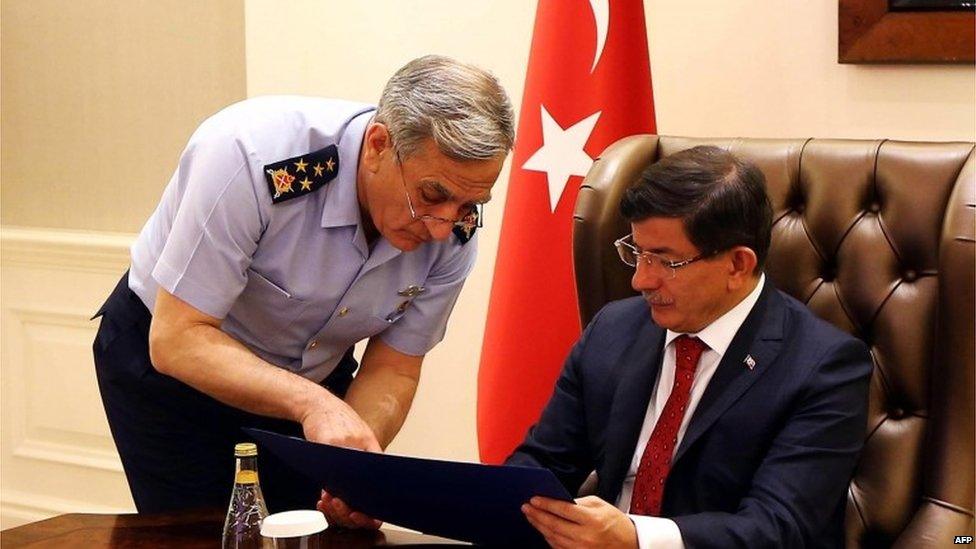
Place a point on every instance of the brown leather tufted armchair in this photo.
(876, 237)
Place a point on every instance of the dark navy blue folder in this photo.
(464, 501)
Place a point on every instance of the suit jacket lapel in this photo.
(760, 337)
(639, 369)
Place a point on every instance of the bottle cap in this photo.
(245, 449)
(293, 524)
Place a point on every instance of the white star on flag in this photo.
(561, 155)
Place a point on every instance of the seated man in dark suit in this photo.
(716, 410)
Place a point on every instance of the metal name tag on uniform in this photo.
(412, 291)
(409, 292)
(398, 312)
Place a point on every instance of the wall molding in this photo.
(69, 454)
(88, 251)
(30, 441)
(18, 507)
(53, 280)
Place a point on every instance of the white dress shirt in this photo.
(660, 532)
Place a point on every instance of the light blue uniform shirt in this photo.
(295, 281)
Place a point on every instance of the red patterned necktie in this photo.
(656, 461)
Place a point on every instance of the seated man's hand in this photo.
(339, 514)
(592, 522)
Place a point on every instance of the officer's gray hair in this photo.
(463, 108)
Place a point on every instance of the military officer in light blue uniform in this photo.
(293, 228)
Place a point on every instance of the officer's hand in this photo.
(338, 424)
(339, 514)
(592, 522)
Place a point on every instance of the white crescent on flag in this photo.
(601, 14)
(561, 155)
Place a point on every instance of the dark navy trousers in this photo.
(176, 443)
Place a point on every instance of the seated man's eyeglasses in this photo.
(470, 215)
(659, 265)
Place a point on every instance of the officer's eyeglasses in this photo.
(658, 264)
(470, 216)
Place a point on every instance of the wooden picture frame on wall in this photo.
(872, 31)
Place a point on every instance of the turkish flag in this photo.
(588, 85)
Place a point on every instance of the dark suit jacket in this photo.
(769, 452)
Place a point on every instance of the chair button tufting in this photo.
(897, 413)
(874, 207)
(910, 275)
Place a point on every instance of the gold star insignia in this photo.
(306, 184)
(300, 165)
(318, 169)
(330, 164)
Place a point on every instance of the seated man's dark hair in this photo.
(720, 199)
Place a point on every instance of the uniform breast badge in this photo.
(412, 291)
(409, 293)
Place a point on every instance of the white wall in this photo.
(57, 453)
(99, 97)
(746, 68)
(769, 69)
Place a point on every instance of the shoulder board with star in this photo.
(465, 230)
(301, 175)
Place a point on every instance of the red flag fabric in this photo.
(588, 84)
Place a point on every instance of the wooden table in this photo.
(189, 529)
